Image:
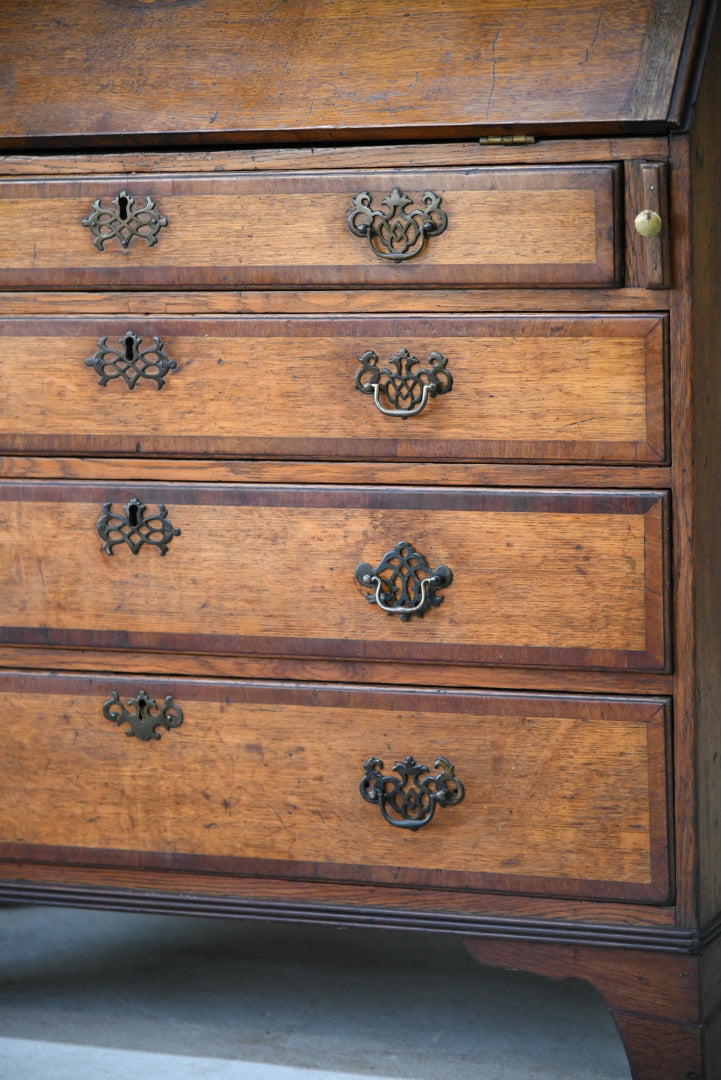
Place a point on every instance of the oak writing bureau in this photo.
(359, 527)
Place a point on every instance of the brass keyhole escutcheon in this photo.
(124, 220)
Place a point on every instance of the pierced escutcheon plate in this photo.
(405, 388)
(145, 716)
(131, 363)
(395, 232)
(123, 221)
(406, 800)
(135, 527)
(403, 583)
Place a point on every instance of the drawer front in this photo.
(541, 388)
(569, 579)
(563, 796)
(551, 225)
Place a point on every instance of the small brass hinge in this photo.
(506, 140)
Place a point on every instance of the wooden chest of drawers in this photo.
(359, 552)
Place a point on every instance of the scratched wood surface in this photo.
(533, 388)
(573, 490)
(551, 151)
(270, 775)
(544, 225)
(556, 578)
(330, 301)
(339, 69)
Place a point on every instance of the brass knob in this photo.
(648, 223)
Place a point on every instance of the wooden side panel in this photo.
(705, 237)
(562, 579)
(340, 68)
(562, 796)
(543, 388)
(516, 226)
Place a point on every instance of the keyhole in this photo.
(129, 348)
(133, 516)
(122, 207)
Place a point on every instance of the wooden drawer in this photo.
(552, 225)
(569, 579)
(562, 795)
(543, 388)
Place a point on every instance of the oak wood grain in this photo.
(267, 776)
(444, 474)
(135, 888)
(684, 544)
(334, 301)
(647, 257)
(413, 155)
(340, 73)
(585, 560)
(554, 225)
(392, 673)
(552, 578)
(544, 388)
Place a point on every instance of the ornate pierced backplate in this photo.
(131, 362)
(403, 583)
(135, 527)
(143, 715)
(409, 799)
(124, 221)
(395, 232)
(403, 383)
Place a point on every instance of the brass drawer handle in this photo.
(135, 527)
(393, 232)
(407, 801)
(403, 583)
(123, 221)
(130, 362)
(143, 714)
(405, 388)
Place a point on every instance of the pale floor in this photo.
(88, 995)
